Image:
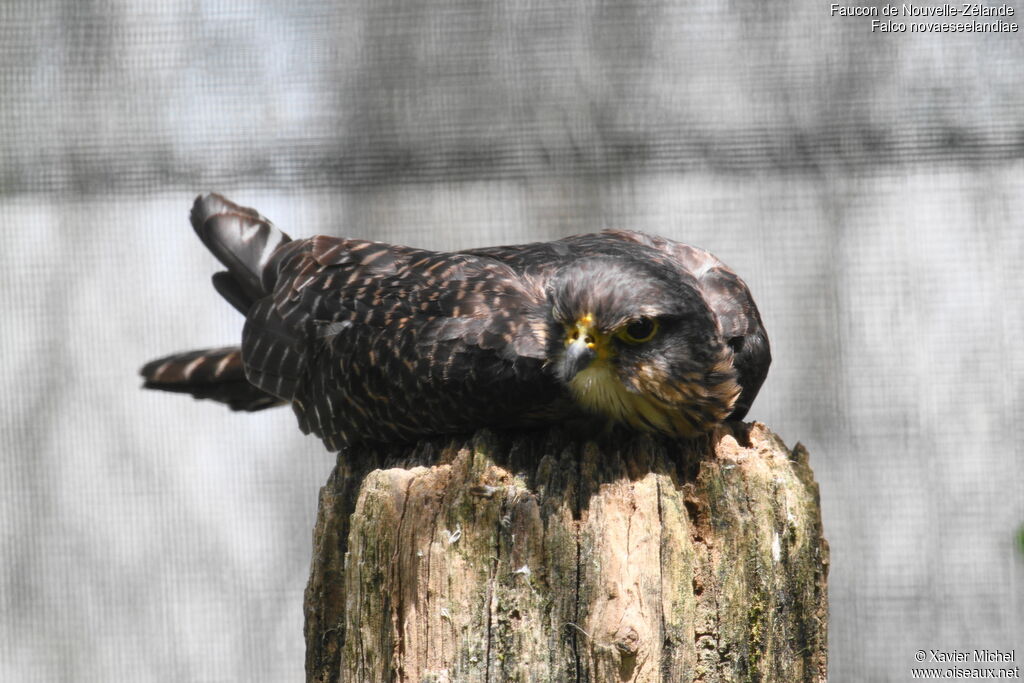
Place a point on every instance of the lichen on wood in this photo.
(540, 557)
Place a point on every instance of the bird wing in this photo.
(381, 342)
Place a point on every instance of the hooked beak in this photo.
(580, 347)
(577, 357)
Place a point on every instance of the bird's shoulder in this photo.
(723, 290)
(418, 302)
(379, 283)
(538, 257)
(462, 334)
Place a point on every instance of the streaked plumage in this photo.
(377, 342)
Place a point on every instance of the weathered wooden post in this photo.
(537, 557)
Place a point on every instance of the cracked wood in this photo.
(536, 557)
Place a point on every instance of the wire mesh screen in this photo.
(868, 186)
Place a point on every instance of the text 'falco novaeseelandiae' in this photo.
(377, 342)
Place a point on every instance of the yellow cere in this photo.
(599, 389)
(592, 337)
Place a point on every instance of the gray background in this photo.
(869, 188)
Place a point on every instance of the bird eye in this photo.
(639, 330)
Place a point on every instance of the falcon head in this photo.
(635, 341)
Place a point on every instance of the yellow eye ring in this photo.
(638, 331)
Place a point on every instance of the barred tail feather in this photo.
(216, 374)
(242, 240)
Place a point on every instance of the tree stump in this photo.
(537, 557)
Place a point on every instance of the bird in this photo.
(373, 342)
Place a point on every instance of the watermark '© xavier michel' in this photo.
(958, 664)
(987, 656)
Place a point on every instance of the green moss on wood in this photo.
(537, 558)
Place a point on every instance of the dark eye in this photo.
(639, 330)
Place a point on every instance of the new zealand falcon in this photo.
(383, 343)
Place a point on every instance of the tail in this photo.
(216, 374)
(244, 242)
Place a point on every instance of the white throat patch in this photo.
(599, 391)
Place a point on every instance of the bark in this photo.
(537, 557)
